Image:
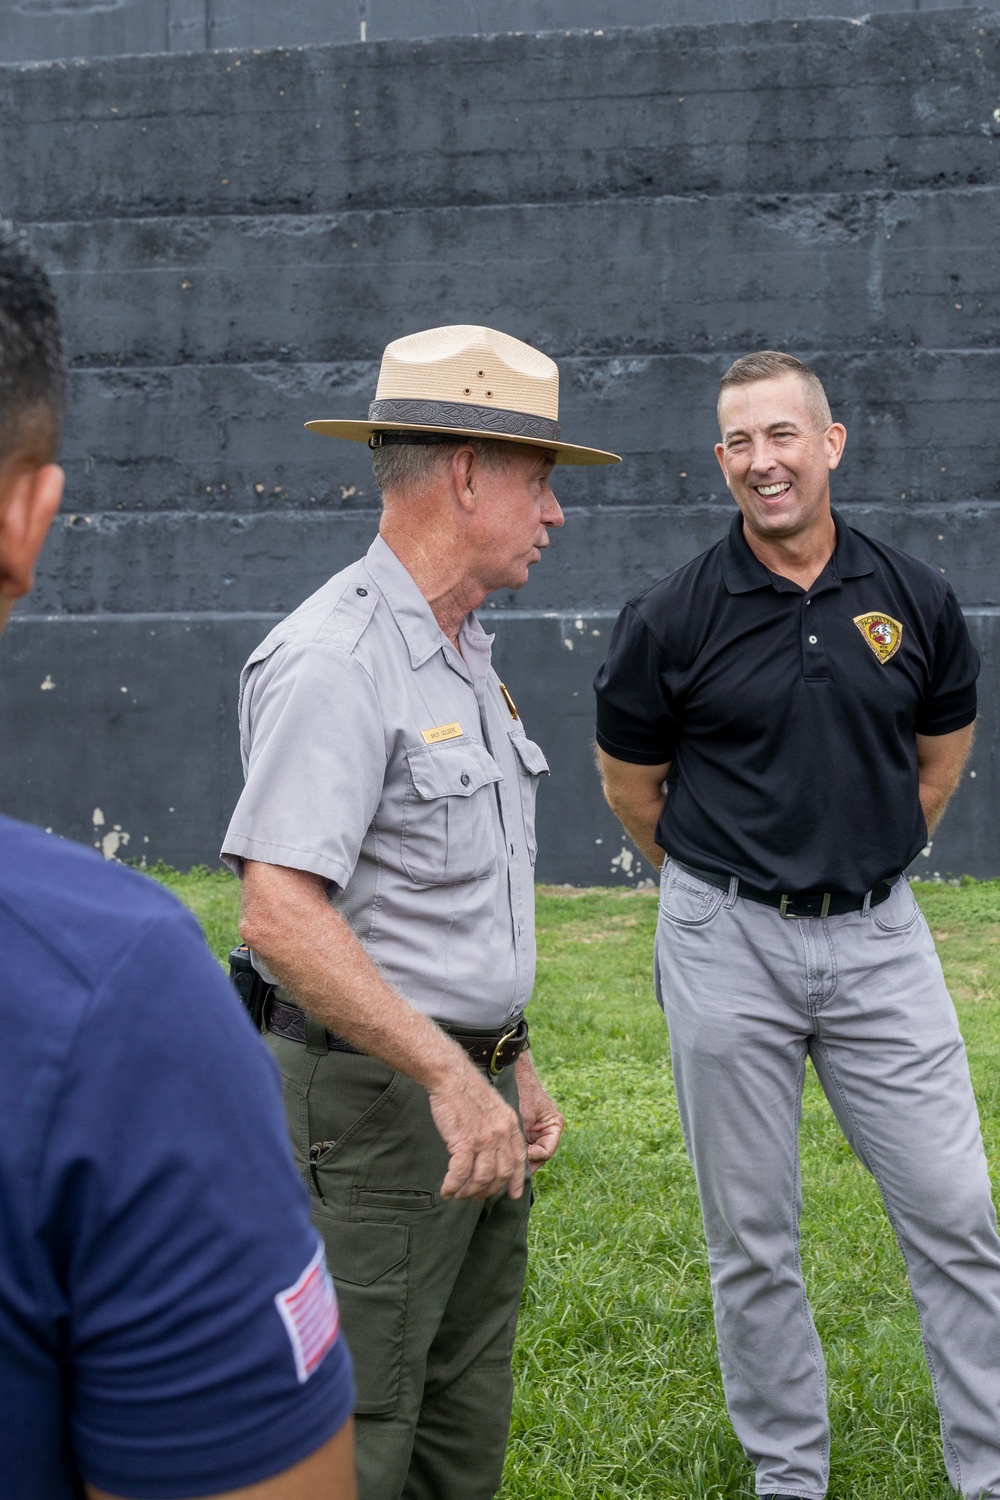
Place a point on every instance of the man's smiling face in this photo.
(776, 453)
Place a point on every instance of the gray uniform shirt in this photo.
(380, 758)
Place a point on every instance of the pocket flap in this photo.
(456, 768)
(361, 1253)
(530, 755)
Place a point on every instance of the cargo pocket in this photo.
(448, 832)
(532, 766)
(370, 1268)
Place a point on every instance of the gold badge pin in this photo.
(442, 732)
(509, 701)
(882, 633)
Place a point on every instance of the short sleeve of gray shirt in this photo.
(314, 764)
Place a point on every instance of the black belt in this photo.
(494, 1050)
(797, 903)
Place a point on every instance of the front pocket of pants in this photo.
(343, 1101)
(369, 1264)
(688, 902)
(899, 911)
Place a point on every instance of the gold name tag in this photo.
(442, 732)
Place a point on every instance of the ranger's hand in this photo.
(482, 1134)
(543, 1124)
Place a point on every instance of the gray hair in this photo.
(406, 467)
(771, 364)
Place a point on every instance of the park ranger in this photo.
(386, 841)
(808, 695)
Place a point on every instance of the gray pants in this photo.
(748, 996)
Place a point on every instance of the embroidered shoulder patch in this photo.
(882, 633)
(310, 1315)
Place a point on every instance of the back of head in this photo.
(772, 364)
(32, 367)
(410, 463)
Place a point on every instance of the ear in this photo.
(463, 466)
(835, 439)
(29, 499)
(720, 453)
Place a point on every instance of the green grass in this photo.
(618, 1393)
(213, 896)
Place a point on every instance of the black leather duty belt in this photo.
(795, 904)
(492, 1051)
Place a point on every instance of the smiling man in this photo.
(780, 724)
(386, 842)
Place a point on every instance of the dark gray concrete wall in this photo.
(108, 563)
(771, 110)
(36, 30)
(120, 731)
(236, 236)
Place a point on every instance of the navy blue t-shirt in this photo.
(167, 1326)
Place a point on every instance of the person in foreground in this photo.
(808, 694)
(167, 1325)
(386, 841)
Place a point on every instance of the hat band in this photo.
(492, 421)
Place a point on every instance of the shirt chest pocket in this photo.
(449, 829)
(532, 766)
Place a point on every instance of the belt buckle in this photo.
(794, 916)
(507, 1037)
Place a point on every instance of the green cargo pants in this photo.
(429, 1290)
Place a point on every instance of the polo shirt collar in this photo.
(743, 572)
(851, 558)
(411, 612)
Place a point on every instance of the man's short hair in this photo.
(771, 364)
(32, 367)
(406, 467)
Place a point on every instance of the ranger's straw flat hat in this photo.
(467, 382)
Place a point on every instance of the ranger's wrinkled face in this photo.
(516, 509)
(777, 455)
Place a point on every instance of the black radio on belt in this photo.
(254, 991)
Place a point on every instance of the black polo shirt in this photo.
(789, 715)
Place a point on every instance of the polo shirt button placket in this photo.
(812, 651)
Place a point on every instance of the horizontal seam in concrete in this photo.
(929, 509)
(181, 617)
(216, 616)
(211, 616)
(710, 32)
(635, 351)
(201, 617)
(775, 196)
(703, 30)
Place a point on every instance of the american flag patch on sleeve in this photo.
(309, 1312)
